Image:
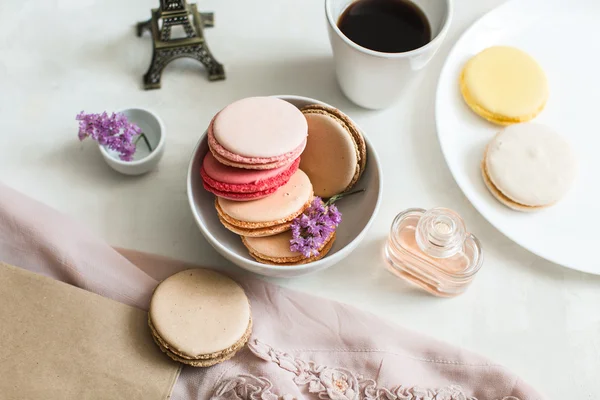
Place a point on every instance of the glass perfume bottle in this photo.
(432, 249)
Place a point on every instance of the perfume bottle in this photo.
(433, 250)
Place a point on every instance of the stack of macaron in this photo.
(526, 166)
(267, 161)
(255, 145)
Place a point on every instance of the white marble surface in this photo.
(58, 57)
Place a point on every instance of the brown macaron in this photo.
(275, 250)
(336, 153)
(270, 215)
(200, 317)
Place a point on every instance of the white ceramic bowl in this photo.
(144, 161)
(358, 212)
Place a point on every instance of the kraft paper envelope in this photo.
(59, 342)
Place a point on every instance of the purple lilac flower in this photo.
(312, 229)
(114, 132)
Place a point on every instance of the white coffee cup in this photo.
(374, 79)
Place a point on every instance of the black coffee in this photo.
(389, 26)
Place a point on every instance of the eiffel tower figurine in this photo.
(166, 49)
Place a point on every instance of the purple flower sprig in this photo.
(312, 229)
(113, 131)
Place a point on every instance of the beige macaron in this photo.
(200, 317)
(336, 154)
(269, 215)
(275, 250)
(528, 167)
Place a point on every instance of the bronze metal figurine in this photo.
(166, 49)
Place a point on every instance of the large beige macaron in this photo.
(504, 85)
(275, 250)
(269, 215)
(200, 317)
(528, 167)
(336, 154)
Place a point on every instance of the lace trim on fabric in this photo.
(326, 383)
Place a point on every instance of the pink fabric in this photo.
(302, 347)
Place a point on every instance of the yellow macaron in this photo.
(504, 85)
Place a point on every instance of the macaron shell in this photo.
(231, 182)
(193, 363)
(275, 250)
(276, 247)
(531, 164)
(332, 171)
(487, 115)
(199, 312)
(501, 197)
(235, 176)
(286, 201)
(205, 361)
(227, 158)
(229, 221)
(504, 84)
(238, 196)
(260, 127)
(209, 356)
(233, 164)
(255, 232)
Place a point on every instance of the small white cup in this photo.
(374, 79)
(144, 160)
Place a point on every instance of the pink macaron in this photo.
(258, 133)
(243, 184)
